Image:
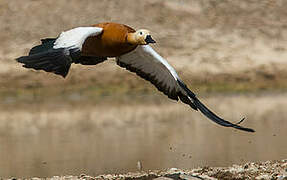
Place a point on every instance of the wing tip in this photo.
(209, 114)
(243, 128)
(236, 126)
(249, 130)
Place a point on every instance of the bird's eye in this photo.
(141, 33)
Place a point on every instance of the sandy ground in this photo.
(199, 37)
(260, 171)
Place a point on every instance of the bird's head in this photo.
(140, 37)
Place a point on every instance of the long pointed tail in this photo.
(209, 114)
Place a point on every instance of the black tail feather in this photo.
(52, 60)
(47, 44)
(45, 57)
(209, 113)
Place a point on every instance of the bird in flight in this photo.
(94, 44)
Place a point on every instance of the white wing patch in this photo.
(76, 37)
(156, 56)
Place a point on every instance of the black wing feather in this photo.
(209, 113)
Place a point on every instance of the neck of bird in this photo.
(131, 38)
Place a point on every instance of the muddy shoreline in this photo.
(253, 170)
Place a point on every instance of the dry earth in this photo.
(210, 41)
(268, 170)
(259, 171)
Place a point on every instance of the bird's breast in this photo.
(111, 43)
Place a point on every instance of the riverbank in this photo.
(253, 170)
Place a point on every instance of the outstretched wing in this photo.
(148, 64)
(56, 54)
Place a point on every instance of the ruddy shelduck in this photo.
(94, 44)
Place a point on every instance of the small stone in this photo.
(189, 177)
(82, 175)
(236, 169)
(263, 177)
(55, 177)
(109, 176)
(162, 178)
(173, 169)
(208, 178)
(282, 177)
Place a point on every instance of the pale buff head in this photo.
(140, 37)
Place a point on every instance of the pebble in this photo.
(263, 177)
(163, 178)
(189, 177)
(173, 169)
(236, 169)
(282, 177)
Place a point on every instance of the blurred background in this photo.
(104, 119)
